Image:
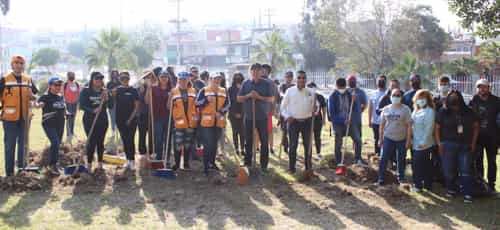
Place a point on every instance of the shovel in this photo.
(160, 168)
(27, 125)
(309, 173)
(242, 174)
(340, 170)
(77, 167)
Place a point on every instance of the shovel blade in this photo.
(243, 174)
(340, 170)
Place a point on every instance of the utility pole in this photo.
(178, 35)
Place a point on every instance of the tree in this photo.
(490, 54)
(360, 40)
(316, 58)
(110, 49)
(462, 67)
(408, 65)
(144, 57)
(274, 50)
(77, 49)
(418, 31)
(46, 57)
(482, 14)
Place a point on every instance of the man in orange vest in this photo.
(185, 117)
(16, 91)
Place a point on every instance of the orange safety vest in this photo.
(216, 99)
(15, 97)
(184, 118)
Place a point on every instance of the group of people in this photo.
(186, 112)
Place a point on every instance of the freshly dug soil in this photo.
(23, 181)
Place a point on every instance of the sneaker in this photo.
(361, 163)
(132, 165)
(467, 199)
(175, 167)
(292, 171)
(272, 152)
(265, 171)
(451, 194)
(214, 167)
(319, 156)
(126, 165)
(54, 171)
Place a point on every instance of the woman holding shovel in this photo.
(213, 103)
(127, 106)
(53, 111)
(93, 101)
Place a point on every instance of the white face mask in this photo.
(341, 91)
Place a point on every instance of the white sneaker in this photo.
(360, 163)
(132, 165)
(319, 156)
(127, 165)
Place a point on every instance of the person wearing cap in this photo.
(93, 101)
(319, 118)
(415, 86)
(127, 106)
(282, 90)
(53, 114)
(185, 117)
(113, 83)
(259, 91)
(71, 91)
(297, 108)
(486, 106)
(16, 93)
(161, 116)
(198, 84)
(213, 103)
(360, 104)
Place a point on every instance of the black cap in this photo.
(96, 75)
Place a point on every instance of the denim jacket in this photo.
(423, 128)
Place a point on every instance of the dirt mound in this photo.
(367, 174)
(23, 181)
(391, 191)
(67, 155)
(99, 177)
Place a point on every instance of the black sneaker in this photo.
(264, 171)
(175, 167)
(467, 199)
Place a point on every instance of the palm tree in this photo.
(463, 66)
(110, 49)
(409, 64)
(275, 50)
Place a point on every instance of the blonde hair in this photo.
(425, 94)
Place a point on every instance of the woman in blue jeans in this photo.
(422, 119)
(53, 115)
(161, 115)
(457, 129)
(395, 128)
(213, 103)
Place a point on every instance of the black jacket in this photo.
(493, 108)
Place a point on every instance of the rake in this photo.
(162, 171)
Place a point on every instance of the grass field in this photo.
(276, 201)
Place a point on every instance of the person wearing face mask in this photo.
(71, 90)
(338, 109)
(439, 101)
(456, 133)
(422, 139)
(236, 113)
(486, 106)
(395, 128)
(282, 90)
(373, 117)
(359, 107)
(408, 96)
(386, 99)
(113, 83)
(443, 90)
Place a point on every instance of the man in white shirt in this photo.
(297, 108)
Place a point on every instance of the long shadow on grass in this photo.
(31, 201)
(86, 201)
(194, 196)
(126, 198)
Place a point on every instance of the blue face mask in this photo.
(421, 102)
(444, 89)
(396, 100)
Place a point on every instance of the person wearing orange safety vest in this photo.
(16, 91)
(185, 118)
(213, 103)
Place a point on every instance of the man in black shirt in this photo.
(486, 106)
(319, 119)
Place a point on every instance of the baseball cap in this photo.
(351, 78)
(54, 80)
(194, 69)
(216, 74)
(183, 75)
(482, 82)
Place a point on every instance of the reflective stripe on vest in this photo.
(216, 99)
(14, 97)
(184, 118)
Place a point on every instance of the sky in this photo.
(66, 15)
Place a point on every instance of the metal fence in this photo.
(465, 84)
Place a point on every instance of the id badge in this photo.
(460, 129)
